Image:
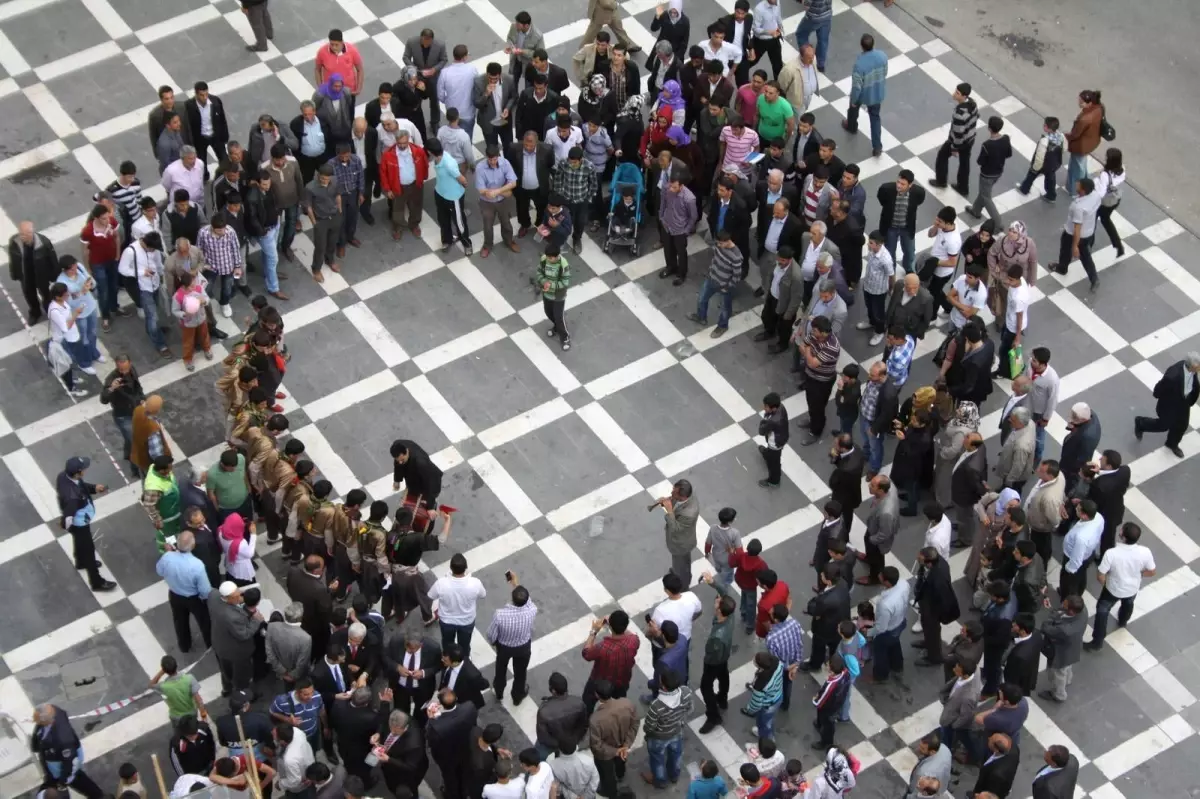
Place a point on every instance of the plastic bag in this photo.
(1016, 362)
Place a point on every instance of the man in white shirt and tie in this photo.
(412, 663)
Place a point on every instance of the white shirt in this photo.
(360, 147)
(240, 567)
(777, 278)
(1124, 565)
(513, 789)
(1011, 403)
(60, 327)
(206, 128)
(728, 52)
(183, 785)
(938, 537)
(563, 148)
(452, 676)
(808, 267)
(1033, 492)
(136, 260)
(681, 611)
(296, 758)
(974, 297)
(456, 598)
(1018, 302)
(946, 243)
(142, 226)
(412, 662)
(537, 786)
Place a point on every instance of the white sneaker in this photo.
(141, 313)
(876, 339)
(88, 370)
(226, 311)
(943, 314)
(100, 359)
(79, 392)
(863, 326)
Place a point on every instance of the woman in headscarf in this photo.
(914, 454)
(837, 778)
(975, 248)
(408, 95)
(598, 104)
(948, 445)
(1015, 248)
(627, 132)
(655, 136)
(238, 541)
(335, 107)
(671, 97)
(991, 513)
(673, 26)
(943, 403)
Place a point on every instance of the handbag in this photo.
(1107, 131)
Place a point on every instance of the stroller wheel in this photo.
(606, 246)
(633, 250)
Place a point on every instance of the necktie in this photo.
(337, 677)
(411, 665)
(391, 739)
(353, 651)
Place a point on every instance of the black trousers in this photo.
(773, 458)
(235, 674)
(714, 674)
(822, 648)
(1044, 543)
(454, 784)
(774, 322)
(182, 608)
(611, 770)
(1065, 244)
(773, 50)
(81, 784)
(520, 661)
(203, 145)
(500, 134)
(308, 166)
(931, 628)
(941, 166)
(817, 393)
(675, 252)
(1072, 584)
(1174, 427)
(37, 296)
(452, 217)
(526, 196)
(579, 219)
(824, 725)
(874, 562)
(555, 310)
(85, 553)
(937, 287)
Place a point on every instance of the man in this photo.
(883, 522)
(726, 211)
(229, 486)
(670, 628)
(1063, 633)
(462, 676)
(1021, 660)
(186, 172)
(59, 753)
(681, 510)
(878, 407)
(967, 485)
(663, 728)
(911, 307)
(233, 634)
(782, 277)
(456, 88)
(287, 189)
(428, 54)
(868, 86)
(1043, 507)
(306, 585)
(799, 82)
(1079, 546)
(829, 608)
(522, 39)
(818, 18)
(402, 173)
(340, 57)
(717, 650)
(77, 509)
(188, 588)
(449, 735)
(607, 12)
(891, 607)
(830, 535)
(495, 98)
(576, 180)
(1043, 395)
(33, 263)
(778, 227)
(1020, 393)
(259, 17)
(323, 206)
(591, 58)
(960, 698)
(206, 118)
(900, 348)
(845, 481)
(170, 141)
(773, 427)
(1079, 231)
(511, 633)
(899, 202)
(959, 142)
(122, 392)
(1108, 486)
(223, 251)
(306, 709)
(157, 118)
(355, 723)
(1058, 777)
(612, 659)
(160, 498)
(315, 138)
(1120, 573)
(192, 749)
(846, 233)
(819, 350)
(349, 179)
(936, 603)
(1015, 461)
(495, 180)
(677, 218)
(362, 655)
(999, 770)
(1083, 437)
(612, 729)
(419, 474)
(404, 762)
(293, 763)
(288, 646)
(531, 161)
(933, 760)
(412, 663)
(1029, 584)
(458, 595)
(1176, 392)
(561, 719)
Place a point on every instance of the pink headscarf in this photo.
(233, 530)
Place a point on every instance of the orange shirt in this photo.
(343, 63)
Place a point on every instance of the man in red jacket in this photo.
(402, 172)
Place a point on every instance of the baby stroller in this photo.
(625, 176)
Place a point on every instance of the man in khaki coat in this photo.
(611, 732)
(1044, 507)
(607, 12)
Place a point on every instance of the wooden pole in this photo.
(158, 775)
(251, 761)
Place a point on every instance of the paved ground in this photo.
(551, 456)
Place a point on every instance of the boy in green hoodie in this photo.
(553, 278)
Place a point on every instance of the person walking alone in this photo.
(868, 86)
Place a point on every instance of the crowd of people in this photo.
(381, 692)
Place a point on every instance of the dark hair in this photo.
(618, 621)
(906, 175)
(767, 578)
(995, 124)
(749, 773)
(558, 684)
(891, 574)
(1087, 184)
(603, 36)
(523, 18)
(672, 583)
(867, 42)
(1042, 354)
(458, 563)
(822, 324)
(520, 595)
(753, 547)
(1131, 532)
(670, 631)
(964, 89)
(1090, 96)
(709, 769)
(460, 52)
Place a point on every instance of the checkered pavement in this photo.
(551, 456)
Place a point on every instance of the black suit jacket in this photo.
(219, 122)
(886, 408)
(935, 590)
(297, 127)
(829, 609)
(371, 144)
(431, 663)
(324, 682)
(373, 112)
(407, 761)
(776, 423)
(450, 734)
(1021, 665)
(1108, 492)
(972, 375)
(887, 202)
(793, 229)
(1058, 784)
(747, 42)
(1172, 403)
(545, 162)
(997, 777)
(469, 686)
(737, 218)
(845, 483)
(557, 78)
(354, 727)
(314, 595)
(967, 483)
(366, 658)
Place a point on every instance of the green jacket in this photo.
(558, 275)
(719, 645)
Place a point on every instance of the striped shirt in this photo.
(127, 198)
(664, 721)
(819, 9)
(309, 713)
(223, 253)
(738, 148)
(826, 352)
(512, 625)
(812, 201)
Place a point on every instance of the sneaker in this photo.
(141, 314)
(550, 333)
(78, 392)
(191, 367)
(718, 332)
(566, 345)
(863, 326)
(696, 318)
(227, 311)
(100, 359)
(88, 370)
(876, 340)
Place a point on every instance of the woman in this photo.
(188, 305)
(766, 693)
(101, 239)
(975, 249)
(992, 514)
(1084, 136)
(1110, 186)
(598, 104)
(673, 26)
(655, 136)
(949, 445)
(836, 780)
(943, 403)
(913, 455)
(598, 150)
(80, 287)
(409, 92)
(670, 98)
(1016, 248)
(335, 107)
(64, 336)
(627, 133)
(238, 541)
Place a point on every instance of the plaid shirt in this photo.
(223, 253)
(870, 398)
(900, 360)
(512, 625)
(612, 659)
(576, 185)
(785, 641)
(880, 268)
(349, 176)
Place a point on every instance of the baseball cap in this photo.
(77, 464)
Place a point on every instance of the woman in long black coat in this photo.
(913, 454)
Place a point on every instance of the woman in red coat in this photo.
(402, 172)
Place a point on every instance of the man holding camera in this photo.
(511, 633)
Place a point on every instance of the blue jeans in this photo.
(764, 720)
(150, 309)
(220, 287)
(846, 423)
(907, 245)
(108, 281)
(707, 290)
(1047, 183)
(749, 606)
(270, 257)
(887, 652)
(467, 124)
(125, 425)
(1040, 445)
(821, 27)
(665, 756)
(876, 125)
(88, 327)
(873, 444)
(844, 713)
(1076, 170)
(457, 632)
(287, 229)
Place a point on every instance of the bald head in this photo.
(153, 404)
(43, 714)
(911, 284)
(360, 126)
(25, 230)
(878, 371)
(1021, 385)
(185, 541)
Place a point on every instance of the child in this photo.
(849, 391)
(193, 326)
(754, 784)
(130, 781)
(556, 228)
(553, 277)
(721, 542)
(709, 785)
(509, 784)
(793, 782)
(767, 758)
(181, 691)
(1047, 158)
(865, 621)
(851, 647)
(748, 564)
(456, 142)
(624, 215)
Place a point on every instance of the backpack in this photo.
(1112, 196)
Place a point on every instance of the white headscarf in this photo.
(837, 770)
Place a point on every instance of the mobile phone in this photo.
(508, 576)
(648, 618)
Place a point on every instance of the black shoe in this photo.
(958, 543)
(368, 218)
(708, 726)
(1049, 695)
(723, 702)
(763, 336)
(917, 644)
(775, 349)
(963, 191)
(1137, 428)
(516, 700)
(1093, 646)
(104, 585)
(907, 512)
(938, 184)
(767, 483)
(969, 211)
(79, 568)
(758, 292)
(245, 290)
(1120, 250)
(663, 274)
(1177, 451)
(218, 333)
(677, 281)
(820, 747)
